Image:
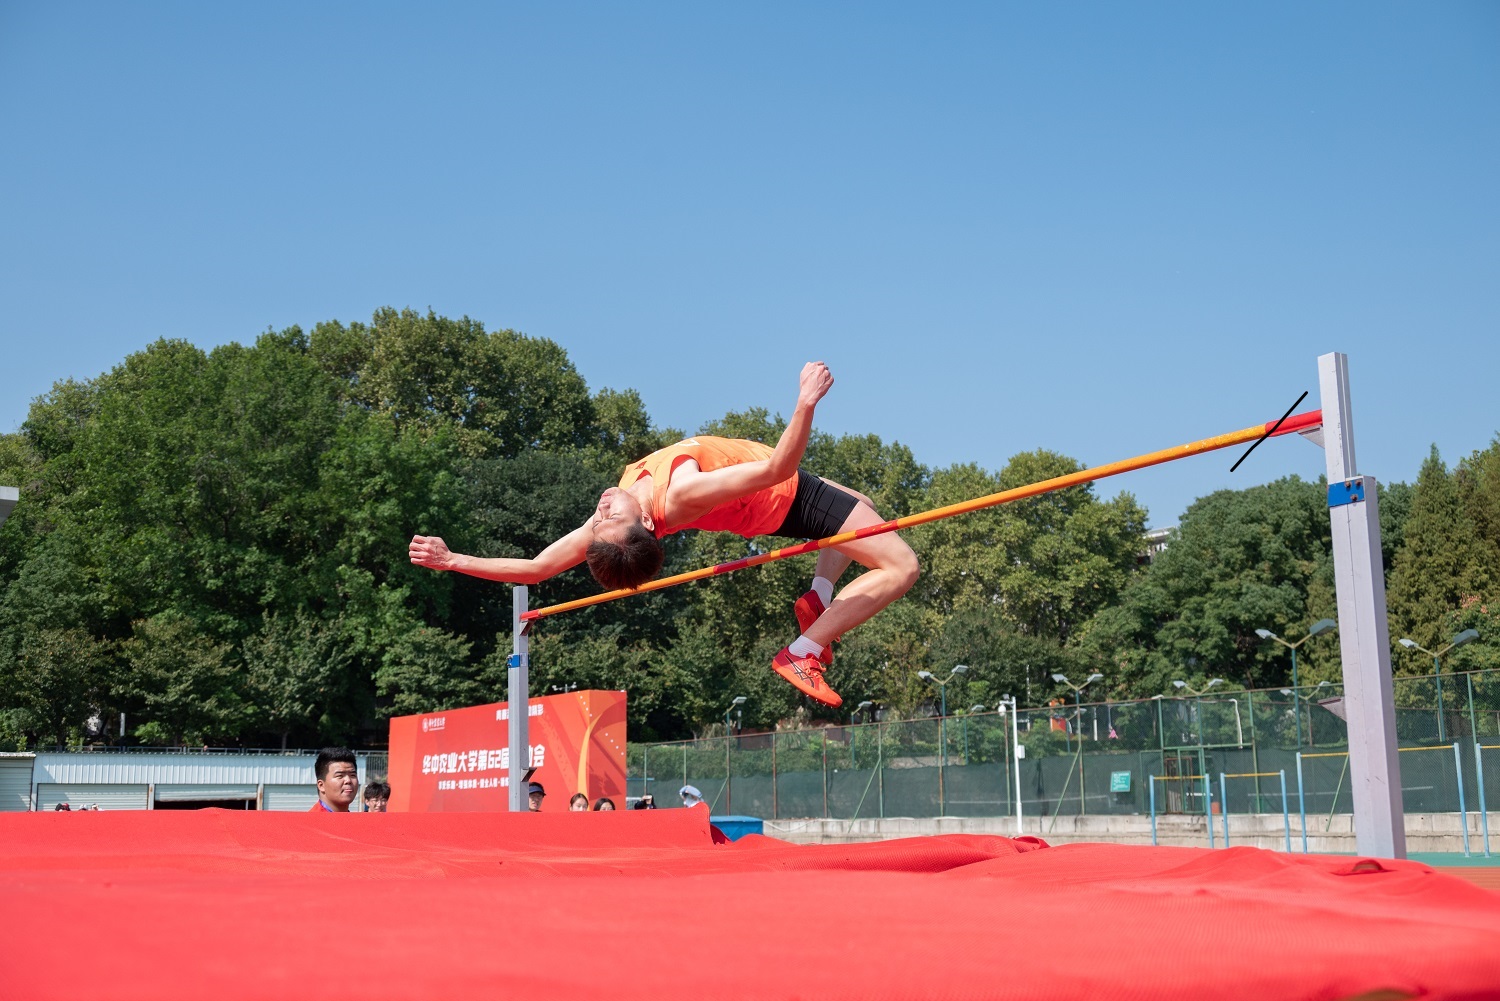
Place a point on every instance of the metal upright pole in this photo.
(1484, 811)
(1296, 700)
(517, 702)
(1473, 723)
(1463, 808)
(1286, 818)
(1208, 808)
(1151, 780)
(1224, 807)
(1301, 803)
(1015, 757)
(1364, 635)
(1437, 673)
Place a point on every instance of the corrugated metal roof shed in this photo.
(188, 768)
(15, 781)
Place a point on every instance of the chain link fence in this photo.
(1095, 758)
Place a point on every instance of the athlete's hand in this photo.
(431, 552)
(815, 383)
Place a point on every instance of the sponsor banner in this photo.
(458, 760)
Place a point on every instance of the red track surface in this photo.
(230, 905)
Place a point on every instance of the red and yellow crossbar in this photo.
(1297, 422)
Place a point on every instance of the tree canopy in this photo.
(214, 544)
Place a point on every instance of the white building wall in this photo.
(15, 781)
(126, 780)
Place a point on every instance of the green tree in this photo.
(1241, 560)
(294, 667)
(1048, 562)
(501, 392)
(188, 685)
(1443, 562)
(57, 684)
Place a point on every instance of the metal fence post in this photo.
(1286, 819)
(1463, 810)
(1224, 806)
(1484, 812)
(1151, 780)
(1208, 808)
(1301, 803)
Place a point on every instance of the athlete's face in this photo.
(618, 510)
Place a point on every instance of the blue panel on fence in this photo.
(735, 828)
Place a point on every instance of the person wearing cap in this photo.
(690, 796)
(534, 796)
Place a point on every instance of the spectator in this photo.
(690, 796)
(578, 804)
(645, 803)
(63, 806)
(377, 795)
(337, 773)
(534, 796)
(604, 803)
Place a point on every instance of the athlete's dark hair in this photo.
(627, 563)
(327, 756)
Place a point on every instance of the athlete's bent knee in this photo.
(906, 569)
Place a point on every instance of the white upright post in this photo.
(516, 703)
(1015, 757)
(1364, 635)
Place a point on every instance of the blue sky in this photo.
(1098, 228)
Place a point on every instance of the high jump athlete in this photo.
(728, 485)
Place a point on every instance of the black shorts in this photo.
(818, 511)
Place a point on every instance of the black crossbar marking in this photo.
(1268, 433)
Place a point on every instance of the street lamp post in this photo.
(943, 726)
(1008, 702)
(1318, 628)
(739, 700)
(1078, 724)
(1467, 636)
(1312, 740)
(1197, 694)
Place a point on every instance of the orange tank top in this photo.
(759, 513)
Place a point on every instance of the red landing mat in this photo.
(638, 904)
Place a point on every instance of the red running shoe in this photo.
(806, 675)
(807, 609)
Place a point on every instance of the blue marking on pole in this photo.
(1347, 492)
(513, 661)
(1463, 811)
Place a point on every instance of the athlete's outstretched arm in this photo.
(564, 554)
(699, 492)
